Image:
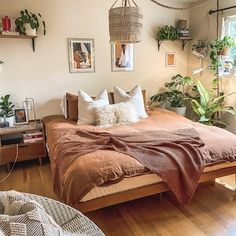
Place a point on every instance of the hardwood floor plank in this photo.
(212, 211)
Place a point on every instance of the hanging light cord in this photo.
(13, 165)
(197, 4)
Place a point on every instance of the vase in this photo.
(10, 120)
(29, 31)
(178, 110)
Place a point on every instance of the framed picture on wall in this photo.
(81, 55)
(170, 59)
(122, 57)
(21, 116)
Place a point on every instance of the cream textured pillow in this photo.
(86, 106)
(135, 97)
(120, 113)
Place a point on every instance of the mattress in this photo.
(131, 183)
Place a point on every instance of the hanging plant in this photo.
(219, 47)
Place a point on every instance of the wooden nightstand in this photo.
(31, 146)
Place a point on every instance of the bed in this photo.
(129, 179)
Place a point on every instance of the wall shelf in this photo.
(184, 41)
(6, 36)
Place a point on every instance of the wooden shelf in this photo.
(7, 36)
(184, 41)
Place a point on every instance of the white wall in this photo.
(45, 75)
(203, 27)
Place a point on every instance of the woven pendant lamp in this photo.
(125, 23)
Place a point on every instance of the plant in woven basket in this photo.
(168, 33)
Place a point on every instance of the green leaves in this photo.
(176, 91)
(209, 106)
(168, 33)
(6, 107)
(29, 18)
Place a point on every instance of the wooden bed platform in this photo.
(141, 192)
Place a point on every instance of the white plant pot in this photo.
(10, 120)
(29, 31)
(179, 110)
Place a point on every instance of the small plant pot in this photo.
(178, 110)
(10, 120)
(29, 31)
(225, 52)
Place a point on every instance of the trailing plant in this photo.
(176, 92)
(217, 48)
(209, 105)
(168, 33)
(30, 18)
(6, 106)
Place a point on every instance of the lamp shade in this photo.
(125, 23)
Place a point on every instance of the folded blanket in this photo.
(173, 155)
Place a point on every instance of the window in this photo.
(229, 29)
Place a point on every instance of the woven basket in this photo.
(125, 23)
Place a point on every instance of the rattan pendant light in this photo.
(125, 22)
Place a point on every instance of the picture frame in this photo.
(122, 57)
(81, 55)
(170, 59)
(21, 116)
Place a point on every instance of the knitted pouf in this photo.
(24, 214)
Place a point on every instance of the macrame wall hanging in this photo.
(125, 22)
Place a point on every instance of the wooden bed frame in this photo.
(145, 191)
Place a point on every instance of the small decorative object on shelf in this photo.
(29, 104)
(9, 26)
(21, 116)
(28, 23)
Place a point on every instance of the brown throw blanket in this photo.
(173, 155)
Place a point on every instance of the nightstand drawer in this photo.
(26, 152)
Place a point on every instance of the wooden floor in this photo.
(211, 212)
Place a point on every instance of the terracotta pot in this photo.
(225, 52)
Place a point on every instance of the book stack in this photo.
(184, 33)
(33, 137)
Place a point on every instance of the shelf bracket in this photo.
(159, 42)
(33, 44)
(184, 42)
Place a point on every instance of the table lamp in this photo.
(29, 104)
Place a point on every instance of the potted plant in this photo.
(176, 93)
(220, 47)
(6, 110)
(168, 33)
(209, 105)
(28, 23)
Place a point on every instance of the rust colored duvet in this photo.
(107, 166)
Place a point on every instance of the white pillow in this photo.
(120, 113)
(135, 97)
(63, 106)
(86, 106)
